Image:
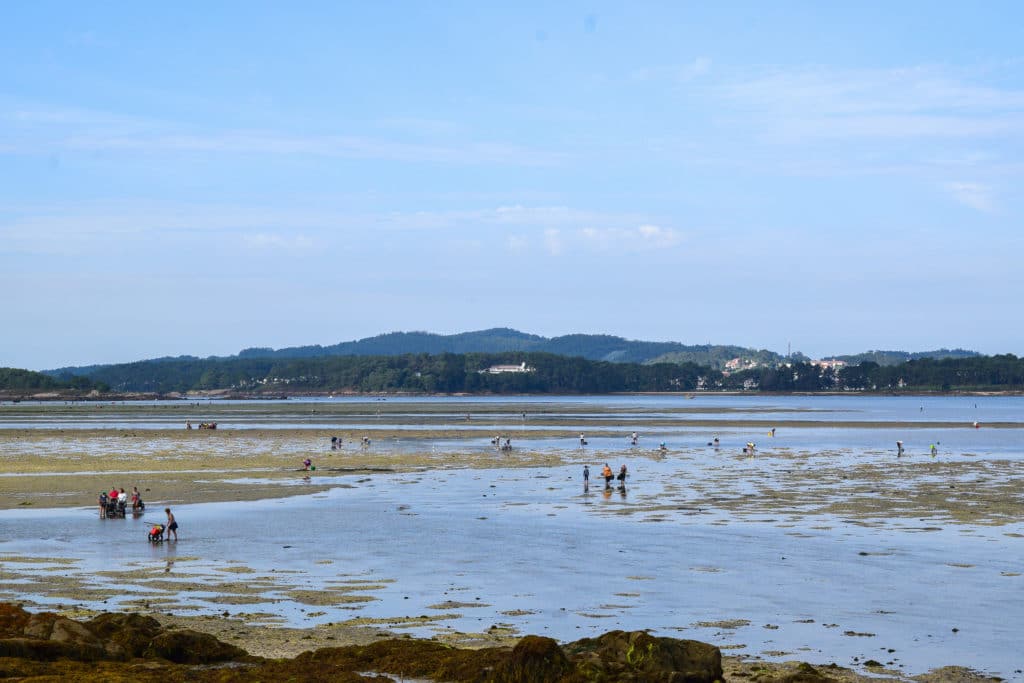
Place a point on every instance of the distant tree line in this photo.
(549, 374)
(423, 373)
(973, 373)
(897, 357)
(14, 380)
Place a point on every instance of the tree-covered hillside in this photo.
(17, 380)
(323, 368)
(600, 347)
(442, 373)
(978, 373)
(897, 357)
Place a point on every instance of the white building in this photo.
(499, 369)
(830, 363)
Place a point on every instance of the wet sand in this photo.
(68, 468)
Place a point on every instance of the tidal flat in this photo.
(823, 546)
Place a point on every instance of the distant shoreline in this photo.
(7, 397)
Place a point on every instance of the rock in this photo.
(111, 647)
(39, 650)
(805, 673)
(534, 659)
(46, 636)
(125, 635)
(191, 647)
(639, 656)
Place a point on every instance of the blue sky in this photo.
(197, 178)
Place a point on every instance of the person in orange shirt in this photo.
(606, 472)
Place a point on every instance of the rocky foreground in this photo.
(131, 647)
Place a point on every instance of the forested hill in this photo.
(496, 340)
(597, 347)
(897, 357)
(18, 380)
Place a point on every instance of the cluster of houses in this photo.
(740, 364)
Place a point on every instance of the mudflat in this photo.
(47, 467)
(805, 479)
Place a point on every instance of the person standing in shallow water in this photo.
(606, 472)
(899, 448)
(172, 525)
(586, 477)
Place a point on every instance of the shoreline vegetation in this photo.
(93, 396)
(507, 374)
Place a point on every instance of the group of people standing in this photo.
(607, 475)
(114, 503)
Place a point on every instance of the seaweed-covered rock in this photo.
(13, 619)
(191, 647)
(136, 649)
(805, 673)
(46, 636)
(39, 650)
(534, 659)
(124, 635)
(406, 658)
(639, 656)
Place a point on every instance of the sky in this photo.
(198, 178)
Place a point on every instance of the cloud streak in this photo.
(34, 130)
(899, 102)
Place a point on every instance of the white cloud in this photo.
(658, 236)
(639, 238)
(974, 195)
